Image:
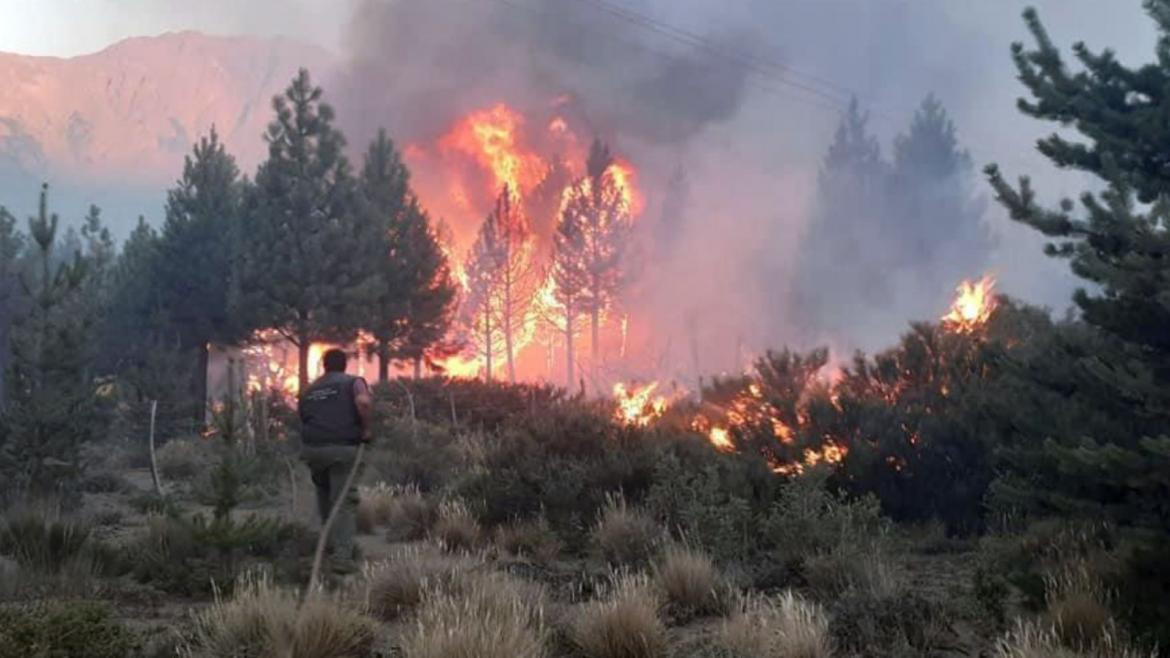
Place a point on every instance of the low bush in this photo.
(105, 482)
(491, 615)
(898, 624)
(456, 528)
(1077, 608)
(396, 585)
(533, 539)
(625, 535)
(410, 515)
(43, 539)
(690, 583)
(784, 627)
(183, 459)
(262, 619)
(374, 505)
(623, 624)
(63, 629)
(469, 403)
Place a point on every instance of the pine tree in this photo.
(1115, 466)
(845, 258)
(11, 248)
(432, 293)
(198, 252)
(502, 278)
(52, 407)
(589, 244)
(300, 273)
(385, 187)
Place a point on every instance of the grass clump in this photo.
(533, 539)
(1077, 607)
(623, 624)
(264, 620)
(182, 459)
(690, 583)
(456, 528)
(374, 505)
(491, 615)
(410, 515)
(625, 535)
(784, 627)
(44, 540)
(74, 628)
(398, 584)
(1034, 640)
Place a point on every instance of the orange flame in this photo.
(972, 307)
(638, 406)
(491, 136)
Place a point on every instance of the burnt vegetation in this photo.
(994, 483)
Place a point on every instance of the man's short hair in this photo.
(334, 360)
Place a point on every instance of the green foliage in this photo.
(466, 403)
(42, 539)
(63, 630)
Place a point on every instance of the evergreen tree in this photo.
(431, 293)
(300, 273)
(480, 305)
(52, 407)
(1114, 469)
(385, 188)
(936, 210)
(11, 248)
(845, 259)
(590, 242)
(197, 255)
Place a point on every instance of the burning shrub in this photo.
(491, 616)
(262, 619)
(690, 583)
(397, 585)
(786, 627)
(624, 624)
(456, 528)
(625, 535)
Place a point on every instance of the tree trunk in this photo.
(200, 384)
(383, 361)
(595, 328)
(487, 339)
(568, 346)
(418, 360)
(302, 365)
(508, 330)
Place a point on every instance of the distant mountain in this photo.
(112, 127)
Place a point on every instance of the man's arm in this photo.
(365, 407)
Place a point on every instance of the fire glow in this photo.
(972, 307)
(637, 405)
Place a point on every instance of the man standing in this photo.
(335, 415)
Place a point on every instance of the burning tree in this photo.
(299, 273)
(502, 279)
(589, 243)
(431, 293)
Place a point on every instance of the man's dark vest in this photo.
(328, 413)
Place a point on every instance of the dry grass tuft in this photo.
(456, 529)
(690, 582)
(411, 515)
(532, 539)
(491, 615)
(264, 620)
(398, 584)
(624, 624)
(787, 627)
(626, 536)
(1032, 640)
(374, 506)
(182, 459)
(1077, 609)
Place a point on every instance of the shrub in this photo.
(1077, 609)
(396, 585)
(1031, 640)
(848, 567)
(491, 616)
(807, 519)
(456, 528)
(533, 539)
(374, 504)
(624, 624)
(41, 538)
(75, 628)
(105, 482)
(182, 459)
(786, 627)
(410, 516)
(901, 624)
(690, 583)
(625, 535)
(264, 620)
